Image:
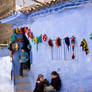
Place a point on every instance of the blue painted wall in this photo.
(75, 74)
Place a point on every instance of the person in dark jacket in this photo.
(39, 84)
(56, 81)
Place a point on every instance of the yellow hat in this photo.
(17, 30)
(35, 40)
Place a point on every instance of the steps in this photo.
(23, 91)
(23, 84)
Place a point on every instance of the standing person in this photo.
(56, 81)
(23, 58)
(28, 49)
(39, 84)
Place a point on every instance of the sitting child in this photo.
(56, 81)
(48, 87)
(39, 84)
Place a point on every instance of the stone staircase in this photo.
(23, 84)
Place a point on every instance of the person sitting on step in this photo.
(39, 84)
(56, 81)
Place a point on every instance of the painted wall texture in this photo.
(75, 74)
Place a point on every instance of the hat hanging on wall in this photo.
(67, 42)
(30, 35)
(58, 42)
(13, 38)
(90, 36)
(28, 31)
(21, 30)
(73, 45)
(44, 37)
(17, 31)
(39, 39)
(84, 46)
(25, 29)
(50, 43)
(35, 40)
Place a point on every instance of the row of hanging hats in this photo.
(58, 41)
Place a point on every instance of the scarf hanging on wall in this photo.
(84, 46)
(67, 42)
(73, 45)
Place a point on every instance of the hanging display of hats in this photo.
(67, 42)
(50, 43)
(28, 31)
(84, 46)
(17, 31)
(35, 40)
(90, 36)
(39, 39)
(58, 42)
(25, 29)
(21, 30)
(44, 37)
(30, 35)
(73, 45)
(13, 38)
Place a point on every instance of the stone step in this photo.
(23, 84)
(28, 87)
(22, 80)
(25, 73)
(23, 90)
(18, 76)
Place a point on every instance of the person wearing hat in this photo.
(23, 58)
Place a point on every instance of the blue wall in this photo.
(75, 74)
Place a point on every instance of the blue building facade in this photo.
(58, 21)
